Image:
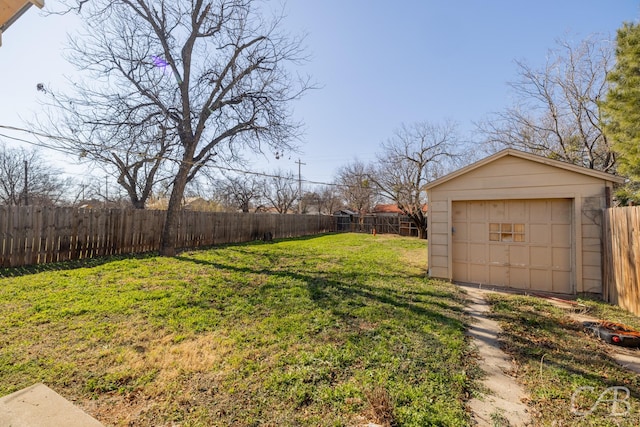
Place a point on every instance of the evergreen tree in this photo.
(621, 107)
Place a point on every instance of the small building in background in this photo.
(388, 209)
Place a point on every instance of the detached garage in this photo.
(521, 221)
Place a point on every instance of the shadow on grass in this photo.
(71, 264)
(341, 296)
(101, 260)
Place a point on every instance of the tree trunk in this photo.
(137, 204)
(420, 221)
(422, 232)
(168, 239)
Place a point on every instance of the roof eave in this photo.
(527, 156)
(13, 18)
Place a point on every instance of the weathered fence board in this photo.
(621, 264)
(38, 234)
(382, 224)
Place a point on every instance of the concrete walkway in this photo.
(39, 406)
(502, 405)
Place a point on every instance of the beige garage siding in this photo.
(523, 244)
(513, 177)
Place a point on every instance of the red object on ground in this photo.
(619, 327)
(614, 333)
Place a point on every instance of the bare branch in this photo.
(557, 109)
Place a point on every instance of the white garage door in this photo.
(524, 244)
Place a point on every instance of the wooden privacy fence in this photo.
(32, 235)
(621, 241)
(383, 224)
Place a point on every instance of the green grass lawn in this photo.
(326, 331)
(556, 360)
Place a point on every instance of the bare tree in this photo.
(355, 186)
(415, 155)
(212, 73)
(557, 113)
(280, 190)
(132, 144)
(25, 179)
(329, 199)
(323, 201)
(309, 202)
(239, 192)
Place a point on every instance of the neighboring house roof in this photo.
(273, 210)
(392, 209)
(345, 212)
(527, 156)
(11, 10)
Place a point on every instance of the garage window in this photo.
(506, 232)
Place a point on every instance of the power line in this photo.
(37, 144)
(74, 153)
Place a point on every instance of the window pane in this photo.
(506, 228)
(494, 237)
(518, 237)
(506, 237)
(494, 227)
(518, 228)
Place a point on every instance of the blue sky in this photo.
(379, 64)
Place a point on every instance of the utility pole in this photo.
(26, 184)
(300, 185)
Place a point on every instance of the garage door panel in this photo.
(538, 212)
(498, 275)
(560, 235)
(539, 234)
(459, 212)
(460, 271)
(478, 232)
(498, 254)
(476, 211)
(540, 256)
(561, 258)
(478, 273)
(519, 278)
(497, 211)
(460, 253)
(461, 231)
(519, 256)
(541, 280)
(560, 280)
(560, 211)
(517, 211)
(478, 253)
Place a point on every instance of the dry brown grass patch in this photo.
(381, 407)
